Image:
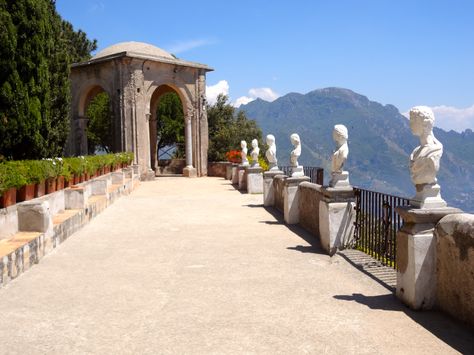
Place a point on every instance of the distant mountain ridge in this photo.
(380, 141)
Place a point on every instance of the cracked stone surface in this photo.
(194, 266)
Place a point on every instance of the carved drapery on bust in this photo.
(255, 152)
(297, 170)
(425, 159)
(339, 177)
(270, 154)
(243, 153)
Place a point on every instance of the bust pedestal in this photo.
(291, 198)
(254, 180)
(242, 177)
(428, 196)
(297, 171)
(416, 255)
(228, 171)
(235, 174)
(336, 217)
(340, 180)
(268, 189)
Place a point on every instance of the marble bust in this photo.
(297, 170)
(270, 154)
(339, 177)
(243, 154)
(425, 159)
(255, 152)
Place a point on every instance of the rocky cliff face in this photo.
(380, 141)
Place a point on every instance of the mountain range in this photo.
(380, 141)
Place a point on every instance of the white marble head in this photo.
(421, 120)
(340, 134)
(295, 139)
(270, 139)
(254, 143)
(243, 144)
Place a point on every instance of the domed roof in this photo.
(140, 48)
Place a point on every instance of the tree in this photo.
(36, 50)
(227, 128)
(99, 127)
(170, 122)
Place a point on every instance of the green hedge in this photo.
(18, 173)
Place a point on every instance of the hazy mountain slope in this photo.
(380, 141)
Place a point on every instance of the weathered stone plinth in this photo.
(336, 217)
(416, 255)
(291, 198)
(428, 196)
(35, 216)
(149, 175)
(190, 172)
(340, 180)
(235, 174)
(242, 177)
(268, 189)
(297, 171)
(254, 180)
(228, 171)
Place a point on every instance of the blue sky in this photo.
(405, 52)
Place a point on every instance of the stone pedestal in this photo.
(297, 171)
(235, 174)
(255, 180)
(190, 172)
(243, 177)
(336, 217)
(228, 171)
(291, 198)
(416, 255)
(428, 196)
(340, 180)
(34, 216)
(268, 189)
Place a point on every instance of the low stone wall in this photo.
(278, 185)
(217, 169)
(455, 266)
(309, 207)
(31, 229)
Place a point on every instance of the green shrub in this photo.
(11, 175)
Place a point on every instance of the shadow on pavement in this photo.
(449, 330)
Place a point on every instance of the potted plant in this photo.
(27, 191)
(10, 179)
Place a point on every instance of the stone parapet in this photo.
(416, 255)
(268, 187)
(291, 198)
(242, 171)
(254, 180)
(455, 266)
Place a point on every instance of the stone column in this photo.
(235, 174)
(228, 171)
(268, 189)
(416, 255)
(336, 217)
(189, 170)
(254, 180)
(291, 198)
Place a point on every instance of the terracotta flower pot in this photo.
(40, 189)
(82, 177)
(59, 183)
(25, 193)
(76, 179)
(69, 182)
(50, 185)
(8, 197)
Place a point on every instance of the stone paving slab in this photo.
(192, 266)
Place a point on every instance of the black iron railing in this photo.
(315, 173)
(377, 224)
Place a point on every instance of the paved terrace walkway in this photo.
(193, 266)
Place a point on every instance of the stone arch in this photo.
(156, 93)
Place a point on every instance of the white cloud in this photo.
(451, 118)
(222, 87)
(458, 119)
(97, 6)
(266, 94)
(184, 46)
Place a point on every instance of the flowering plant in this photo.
(233, 156)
